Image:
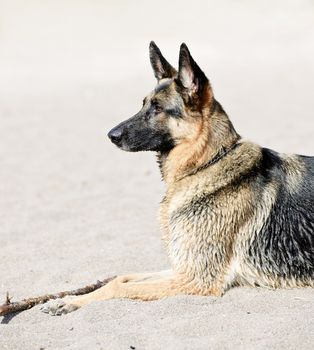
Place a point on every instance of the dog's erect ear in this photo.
(162, 69)
(190, 76)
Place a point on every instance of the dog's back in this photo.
(283, 248)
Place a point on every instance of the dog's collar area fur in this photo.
(221, 154)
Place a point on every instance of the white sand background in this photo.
(74, 209)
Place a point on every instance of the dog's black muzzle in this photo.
(136, 134)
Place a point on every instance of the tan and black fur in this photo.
(234, 213)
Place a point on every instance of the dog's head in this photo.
(172, 113)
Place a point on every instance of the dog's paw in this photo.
(58, 307)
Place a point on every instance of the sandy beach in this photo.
(75, 209)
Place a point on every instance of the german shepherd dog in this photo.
(234, 213)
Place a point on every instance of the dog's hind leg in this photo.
(143, 286)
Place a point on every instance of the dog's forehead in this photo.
(164, 90)
(163, 85)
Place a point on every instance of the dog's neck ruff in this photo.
(221, 154)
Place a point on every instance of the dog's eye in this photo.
(158, 109)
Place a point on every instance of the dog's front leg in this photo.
(144, 286)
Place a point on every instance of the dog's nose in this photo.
(115, 135)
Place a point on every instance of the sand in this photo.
(74, 209)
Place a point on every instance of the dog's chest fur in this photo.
(201, 215)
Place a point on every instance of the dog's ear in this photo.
(191, 77)
(162, 69)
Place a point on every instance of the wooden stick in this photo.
(25, 304)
